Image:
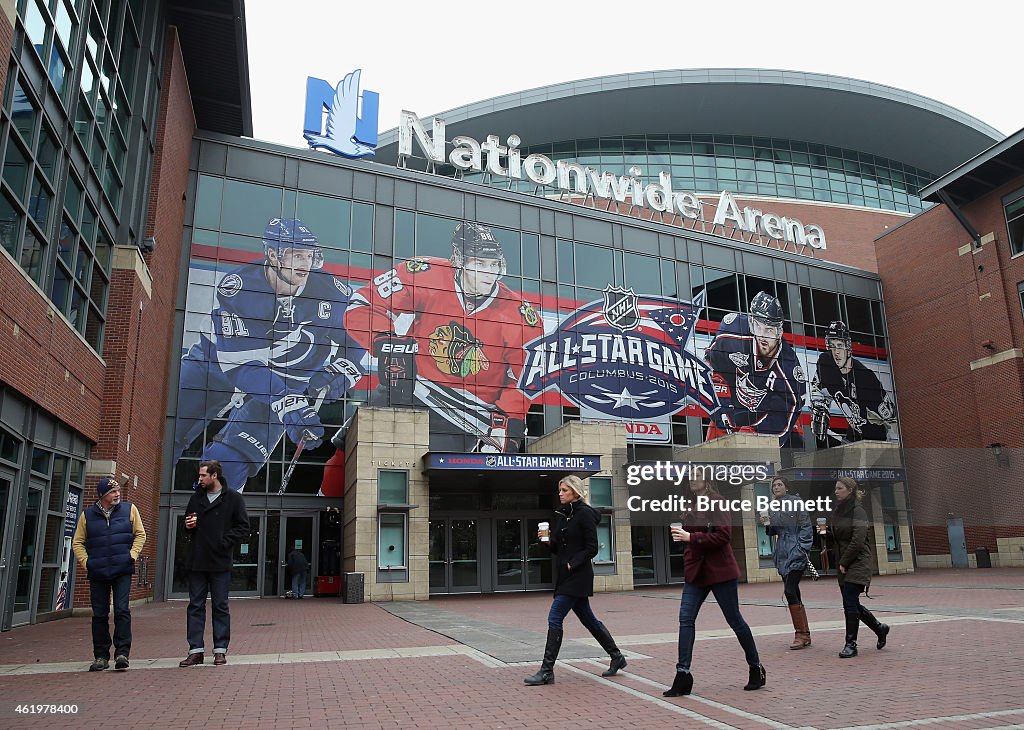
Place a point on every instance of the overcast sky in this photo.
(428, 57)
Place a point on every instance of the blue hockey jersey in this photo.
(755, 392)
(271, 344)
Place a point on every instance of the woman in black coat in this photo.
(574, 543)
(853, 560)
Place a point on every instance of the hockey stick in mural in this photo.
(299, 447)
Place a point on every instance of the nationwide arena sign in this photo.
(506, 160)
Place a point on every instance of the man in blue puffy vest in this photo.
(107, 542)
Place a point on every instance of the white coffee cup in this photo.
(544, 529)
(765, 519)
(822, 522)
(675, 526)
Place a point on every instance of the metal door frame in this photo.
(661, 557)
(175, 513)
(484, 555)
(283, 549)
(7, 549)
(525, 534)
(27, 616)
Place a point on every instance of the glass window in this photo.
(601, 491)
(362, 228)
(405, 234)
(765, 548)
(73, 197)
(32, 255)
(391, 544)
(209, 192)
(61, 287)
(642, 273)
(65, 26)
(35, 27)
(1015, 224)
(723, 293)
(392, 487)
(248, 207)
(858, 314)
(605, 543)
(58, 71)
(826, 307)
(8, 226)
(434, 235)
(15, 169)
(593, 265)
(566, 267)
(39, 204)
(23, 112)
(531, 255)
(328, 218)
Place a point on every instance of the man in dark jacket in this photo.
(107, 542)
(297, 567)
(217, 520)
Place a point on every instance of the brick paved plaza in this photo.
(955, 659)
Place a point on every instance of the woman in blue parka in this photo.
(791, 526)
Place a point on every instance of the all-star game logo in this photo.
(624, 357)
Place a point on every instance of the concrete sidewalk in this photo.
(954, 659)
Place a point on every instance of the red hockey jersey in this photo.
(465, 343)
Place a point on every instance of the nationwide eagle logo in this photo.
(456, 351)
(625, 356)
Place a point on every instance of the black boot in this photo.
(757, 678)
(604, 638)
(681, 685)
(881, 630)
(852, 624)
(546, 675)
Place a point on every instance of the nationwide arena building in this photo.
(397, 356)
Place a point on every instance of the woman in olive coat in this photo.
(791, 527)
(574, 543)
(853, 557)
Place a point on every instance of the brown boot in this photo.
(802, 637)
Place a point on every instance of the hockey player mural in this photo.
(758, 377)
(843, 382)
(448, 334)
(277, 340)
(274, 352)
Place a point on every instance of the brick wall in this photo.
(6, 37)
(950, 304)
(138, 343)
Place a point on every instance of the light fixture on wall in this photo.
(1002, 458)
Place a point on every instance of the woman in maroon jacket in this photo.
(709, 567)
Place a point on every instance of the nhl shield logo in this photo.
(492, 461)
(620, 308)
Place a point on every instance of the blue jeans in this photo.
(728, 598)
(561, 606)
(99, 597)
(299, 584)
(851, 597)
(201, 582)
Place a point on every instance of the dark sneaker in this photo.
(99, 664)
(121, 662)
(219, 659)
